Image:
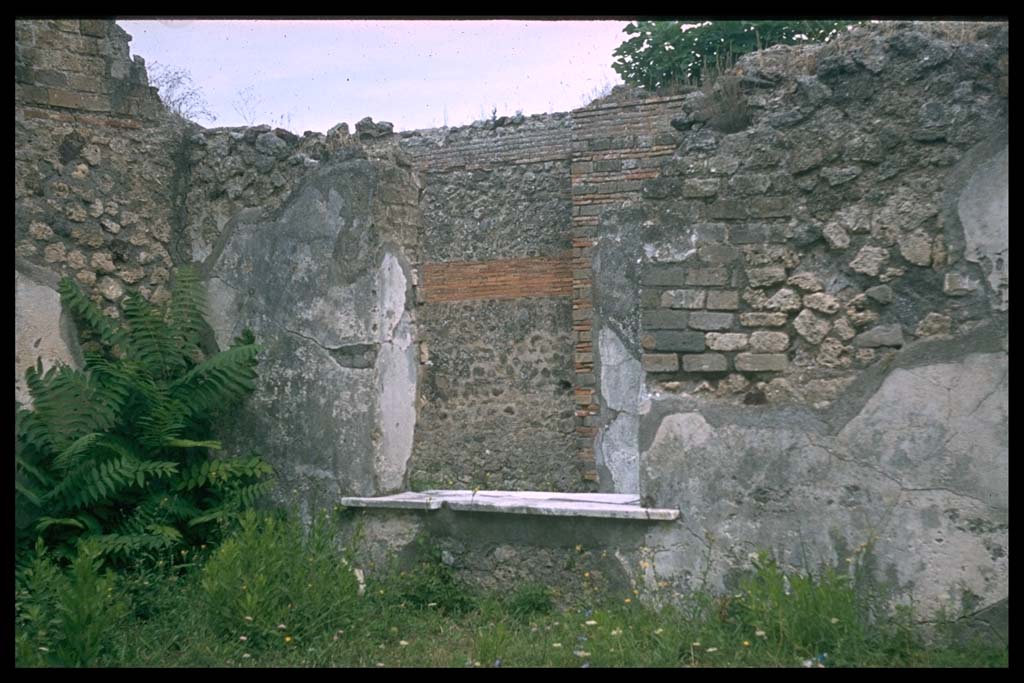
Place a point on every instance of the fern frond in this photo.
(46, 522)
(149, 340)
(129, 545)
(164, 423)
(223, 472)
(187, 443)
(68, 404)
(81, 446)
(220, 381)
(186, 310)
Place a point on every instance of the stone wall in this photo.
(494, 314)
(780, 305)
(96, 166)
(307, 241)
(820, 305)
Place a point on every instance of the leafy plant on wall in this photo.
(664, 53)
(119, 451)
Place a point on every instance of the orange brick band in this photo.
(506, 279)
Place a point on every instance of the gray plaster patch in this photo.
(920, 474)
(326, 300)
(38, 332)
(396, 387)
(621, 373)
(984, 211)
(618, 454)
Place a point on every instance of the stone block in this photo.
(660, 362)
(882, 335)
(769, 342)
(665, 275)
(869, 260)
(748, 233)
(683, 298)
(933, 324)
(822, 302)
(762, 362)
(766, 277)
(769, 207)
(673, 340)
(700, 187)
(882, 294)
(956, 284)
(717, 254)
(705, 362)
(811, 327)
(664, 320)
(727, 209)
(723, 300)
(763, 319)
(726, 341)
(783, 300)
(749, 183)
(703, 320)
(807, 282)
(707, 276)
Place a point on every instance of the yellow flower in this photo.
(579, 548)
(627, 601)
(586, 574)
(287, 639)
(746, 643)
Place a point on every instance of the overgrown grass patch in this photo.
(277, 595)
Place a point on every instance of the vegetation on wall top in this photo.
(664, 53)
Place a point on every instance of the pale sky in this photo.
(413, 73)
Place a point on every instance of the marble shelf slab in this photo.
(550, 503)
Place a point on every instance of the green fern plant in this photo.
(119, 451)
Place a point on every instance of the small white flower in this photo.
(590, 622)
(282, 626)
(834, 620)
(712, 649)
(246, 655)
(403, 643)
(556, 645)
(243, 638)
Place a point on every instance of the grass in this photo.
(271, 598)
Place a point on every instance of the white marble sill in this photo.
(550, 503)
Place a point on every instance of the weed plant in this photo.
(278, 594)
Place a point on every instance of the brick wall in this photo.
(616, 148)
(494, 312)
(509, 279)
